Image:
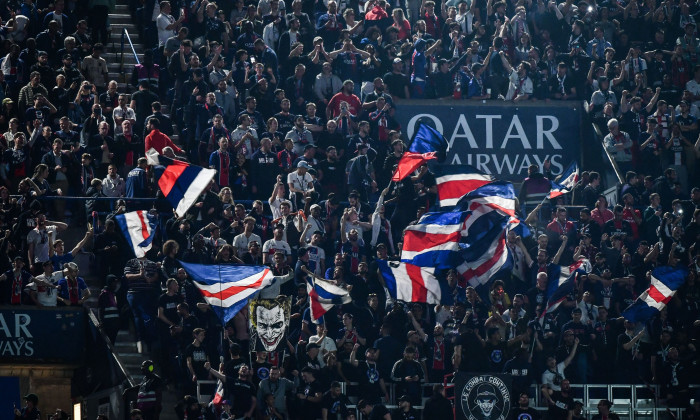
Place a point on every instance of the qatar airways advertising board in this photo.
(501, 139)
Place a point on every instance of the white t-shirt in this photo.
(554, 379)
(327, 345)
(271, 246)
(162, 22)
(275, 207)
(241, 242)
(46, 295)
(316, 255)
(40, 239)
(298, 181)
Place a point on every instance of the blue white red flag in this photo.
(665, 281)
(563, 282)
(481, 270)
(139, 228)
(454, 181)
(227, 288)
(498, 195)
(427, 144)
(410, 283)
(435, 240)
(180, 182)
(323, 295)
(566, 182)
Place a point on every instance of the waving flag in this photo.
(665, 281)
(454, 181)
(139, 228)
(227, 288)
(427, 144)
(498, 195)
(323, 295)
(563, 281)
(566, 181)
(410, 283)
(180, 182)
(434, 240)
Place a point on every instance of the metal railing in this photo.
(93, 319)
(126, 37)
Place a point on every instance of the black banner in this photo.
(42, 335)
(482, 397)
(499, 138)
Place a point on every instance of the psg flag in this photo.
(427, 144)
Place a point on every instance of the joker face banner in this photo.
(269, 322)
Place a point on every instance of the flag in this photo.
(665, 281)
(410, 283)
(180, 182)
(323, 295)
(480, 271)
(139, 228)
(454, 181)
(566, 181)
(227, 288)
(427, 144)
(498, 195)
(563, 281)
(434, 240)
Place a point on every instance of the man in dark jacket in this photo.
(438, 406)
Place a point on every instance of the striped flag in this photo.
(498, 195)
(566, 282)
(434, 240)
(566, 182)
(410, 283)
(227, 288)
(665, 281)
(454, 181)
(139, 228)
(180, 182)
(428, 143)
(323, 295)
(480, 271)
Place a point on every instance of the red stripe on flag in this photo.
(144, 226)
(419, 241)
(317, 309)
(419, 293)
(170, 175)
(656, 294)
(233, 290)
(456, 189)
(409, 162)
(487, 265)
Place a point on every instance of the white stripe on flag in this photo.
(404, 284)
(200, 182)
(135, 228)
(651, 301)
(661, 287)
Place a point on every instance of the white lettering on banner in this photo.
(18, 341)
(546, 126)
(506, 164)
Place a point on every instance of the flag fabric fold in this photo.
(566, 182)
(498, 195)
(411, 283)
(323, 295)
(227, 288)
(434, 241)
(665, 281)
(563, 282)
(427, 144)
(454, 181)
(180, 182)
(139, 228)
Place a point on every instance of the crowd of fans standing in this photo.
(294, 105)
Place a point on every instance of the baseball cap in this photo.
(303, 164)
(398, 60)
(311, 346)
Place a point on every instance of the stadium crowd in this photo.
(294, 106)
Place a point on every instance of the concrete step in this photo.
(120, 18)
(121, 8)
(115, 57)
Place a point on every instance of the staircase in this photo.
(122, 19)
